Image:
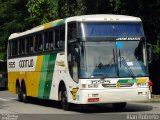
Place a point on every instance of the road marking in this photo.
(12, 98)
(2, 99)
(8, 99)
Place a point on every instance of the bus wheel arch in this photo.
(63, 97)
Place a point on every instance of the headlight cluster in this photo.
(142, 84)
(93, 86)
(89, 85)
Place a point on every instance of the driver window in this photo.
(73, 61)
(72, 32)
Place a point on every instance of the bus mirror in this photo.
(149, 53)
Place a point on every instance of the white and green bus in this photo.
(90, 59)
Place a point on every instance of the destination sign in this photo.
(129, 38)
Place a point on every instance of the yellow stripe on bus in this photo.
(47, 25)
(33, 78)
(36, 76)
(39, 63)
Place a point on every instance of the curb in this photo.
(155, 98)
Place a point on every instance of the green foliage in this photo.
(67, 8)
(42, 11)
(156, 49)
(19, 15)
(13, 18)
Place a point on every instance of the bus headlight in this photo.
(92, 85)
(83, 85)
(142, 84)
(89, 85)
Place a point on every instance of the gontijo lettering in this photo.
(26, 63)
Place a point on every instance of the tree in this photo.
(68, 8)
(42, 11)
(13, 18)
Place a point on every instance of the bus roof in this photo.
(104, 17)
(98, 17)
(38, 28)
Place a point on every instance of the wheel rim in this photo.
(23, 95)
(18, 90)
(64, 98)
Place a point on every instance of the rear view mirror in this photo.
(149, 53)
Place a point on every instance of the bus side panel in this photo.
(46, 76)
(33, 78)
(59, 75)
(12, 77)
(38, 73)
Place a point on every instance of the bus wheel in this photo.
(64, 99)
(119, 106)
(18, 90)
(24, 96)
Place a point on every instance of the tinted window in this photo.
(48, 40)
(29, 44)
(37, 39)
(111, 29)
(59, 37)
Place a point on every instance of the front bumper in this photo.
(113, 95)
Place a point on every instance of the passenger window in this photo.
(38, 42)
(10, 49)
(48, 40)
(21, 46)
(15, 47)
(60, 37)
(29, 44)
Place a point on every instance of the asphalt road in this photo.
(36, 109)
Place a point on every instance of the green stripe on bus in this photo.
(43, 77)
(46, 75)
(50, 69)
(61, 22)
(126, 81)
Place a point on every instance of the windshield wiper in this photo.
(124, 62)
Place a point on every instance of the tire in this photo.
(64, 99)
(119, 106)
(23, 92)
(19, 93)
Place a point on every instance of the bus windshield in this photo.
(103, 29)
(104, 52)
(107, 59)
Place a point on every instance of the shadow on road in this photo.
(108, 108)
(105, 108)
(45, 103)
